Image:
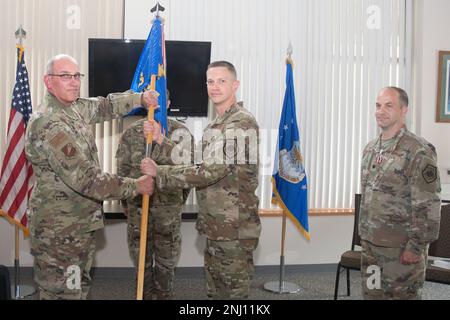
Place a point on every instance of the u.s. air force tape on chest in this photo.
(58, 139)
(429, 174)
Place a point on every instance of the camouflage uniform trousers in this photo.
(398, 281)
(62, 264)
(229, 268)
(163, 248)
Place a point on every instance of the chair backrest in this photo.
(5, 286)
(356, 239)
(441, 247)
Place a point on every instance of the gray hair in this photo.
(50, 62)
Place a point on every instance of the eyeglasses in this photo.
(219, 82)
(68, 76)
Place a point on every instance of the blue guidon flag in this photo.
(290, 188)
(153, 62)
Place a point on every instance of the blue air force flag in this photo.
(289, 178)
(153, 62)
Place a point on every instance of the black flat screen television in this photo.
(112, 63)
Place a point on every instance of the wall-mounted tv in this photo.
(112, 63)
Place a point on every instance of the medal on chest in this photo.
(380, 157)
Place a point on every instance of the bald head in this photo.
(402, 95)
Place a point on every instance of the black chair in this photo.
(440, 249)
(5, 285)
(351, 259)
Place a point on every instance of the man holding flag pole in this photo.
(226, 180)
(65, 206)
(163, 240)
(150, 74)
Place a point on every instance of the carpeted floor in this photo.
(190, 285)
(313, 286)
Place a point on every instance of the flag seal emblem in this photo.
(290, 164)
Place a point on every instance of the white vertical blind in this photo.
(344, 52)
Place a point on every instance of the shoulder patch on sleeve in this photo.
(429, 174)
(65, 144)
(69, 150)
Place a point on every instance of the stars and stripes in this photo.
(16, 171)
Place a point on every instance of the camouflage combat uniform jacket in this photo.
(226, 179)
(131, 151)
(400, 205)
(70, 185)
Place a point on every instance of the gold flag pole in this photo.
(145, 206)
(146, 197)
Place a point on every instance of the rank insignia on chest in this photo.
(230, 149)
(69, 150)
(429, 174)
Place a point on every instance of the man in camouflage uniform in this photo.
(66, 202)
(163, 237)
(400, 205)
(226, 180)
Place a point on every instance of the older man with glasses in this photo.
(66, 202)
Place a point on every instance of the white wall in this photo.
(431, 36)
(330, 237)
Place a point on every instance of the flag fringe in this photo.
(26, 231)
(21, 51)
(277, 200)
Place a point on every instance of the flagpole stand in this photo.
(281, 286)
(22, 292)
(284, 287)
(19, 292)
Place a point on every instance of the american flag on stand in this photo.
(15, 186)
